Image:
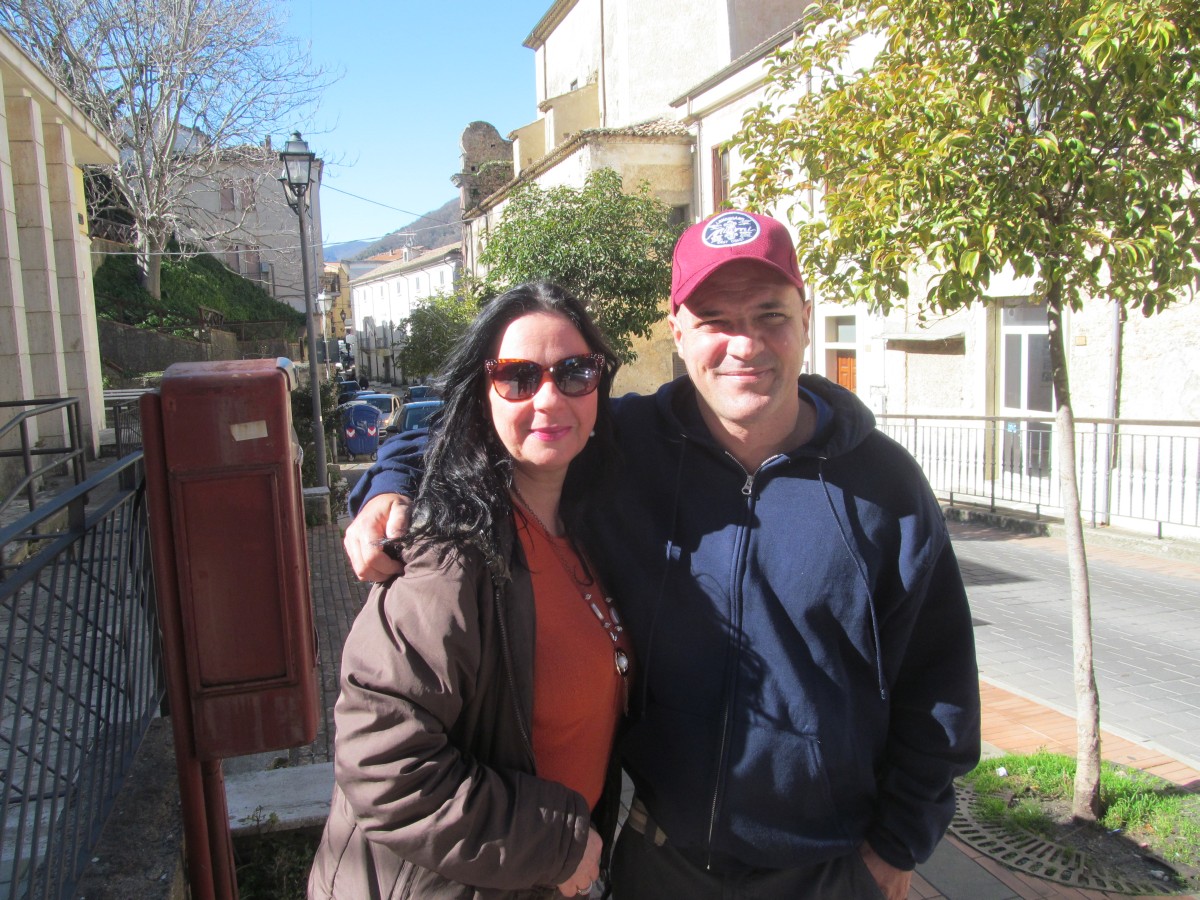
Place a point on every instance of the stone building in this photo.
(48, 339)
(658, 92)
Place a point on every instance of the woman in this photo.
(497, 654)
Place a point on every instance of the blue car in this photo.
(419, 392)
(415, 415)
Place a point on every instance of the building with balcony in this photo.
(383, 299)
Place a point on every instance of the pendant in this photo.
(622, 661)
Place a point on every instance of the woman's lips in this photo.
(550, 432)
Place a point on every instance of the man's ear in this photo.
(676, 331)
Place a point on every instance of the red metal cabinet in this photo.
(223, 471)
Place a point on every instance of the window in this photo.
(246, 193)
(1027, 383)
(232, 259)
(227, 198)
(720, 178)
(1026, 386)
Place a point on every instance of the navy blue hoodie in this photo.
(806, 665)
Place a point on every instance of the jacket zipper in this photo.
(512, 682)
(747, 490)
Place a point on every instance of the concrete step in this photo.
(279, 799)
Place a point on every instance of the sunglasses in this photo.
(519, 379)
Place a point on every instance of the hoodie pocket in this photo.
(777, 799)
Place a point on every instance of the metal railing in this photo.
(1131, 471)
(80, 676)
(70, 453)
(126, 418)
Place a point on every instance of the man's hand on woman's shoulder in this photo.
(382, 517)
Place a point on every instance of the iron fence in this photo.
(79, 675)
(54, 454)
(126, 418)
(1135, 472)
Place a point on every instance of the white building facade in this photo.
(658, 92)
(384, 298)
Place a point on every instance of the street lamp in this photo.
(322, 311)
(296, 178)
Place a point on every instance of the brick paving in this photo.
(1012, 720)
(337, 598)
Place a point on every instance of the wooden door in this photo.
(847, 369)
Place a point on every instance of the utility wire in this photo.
(329, 187)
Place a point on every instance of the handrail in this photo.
(1131, 471)
(80, 656)
(1048, 418)
(72, 453)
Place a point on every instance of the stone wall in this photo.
(129, 349)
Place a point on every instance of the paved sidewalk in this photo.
(1013, 720)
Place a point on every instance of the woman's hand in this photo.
(383, 516)
(588, 869)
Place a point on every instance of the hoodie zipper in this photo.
(747, 491)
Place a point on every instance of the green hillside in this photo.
(187, 285)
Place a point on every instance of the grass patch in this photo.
(274, 865)
(1034, 790)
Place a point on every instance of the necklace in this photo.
(608, 618)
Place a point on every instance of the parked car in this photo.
(389, 406)
(415, 415)
(346, 390)
(419, 392)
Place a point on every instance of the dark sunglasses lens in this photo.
(517, 380)
(577, 376)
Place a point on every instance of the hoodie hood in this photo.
(849, 424)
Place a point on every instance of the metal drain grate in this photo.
(1034, 855)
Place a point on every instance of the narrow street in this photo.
(1146, 627)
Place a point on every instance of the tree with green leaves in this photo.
(959, 139)
(433, 328)
(610, 248)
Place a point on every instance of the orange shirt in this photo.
(578, 694)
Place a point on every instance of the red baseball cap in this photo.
(727, 237)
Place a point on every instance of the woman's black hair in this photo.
(464, 493)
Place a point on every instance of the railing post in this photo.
(27, 458)
(1095, 470)
(995, 454)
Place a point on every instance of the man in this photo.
(806, 685)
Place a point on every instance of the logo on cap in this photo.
(730, 229)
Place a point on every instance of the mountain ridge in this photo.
(434, 229)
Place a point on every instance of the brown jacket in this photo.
(435, 794)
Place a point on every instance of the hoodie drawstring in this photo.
(862, 575)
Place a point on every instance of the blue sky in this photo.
(388, 130)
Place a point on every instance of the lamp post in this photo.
(296, 178)
(323, 311)
(345, 340)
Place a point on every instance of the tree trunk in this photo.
(1086, 804)
(152, 263)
